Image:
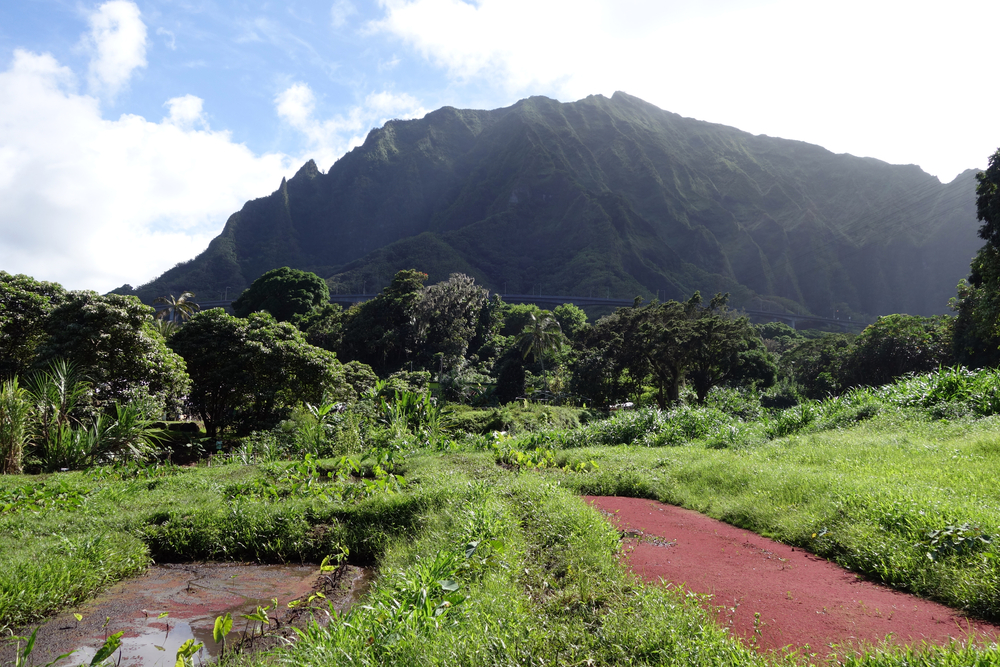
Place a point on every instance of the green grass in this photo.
(514, 417)
(482, 564)
(536, 582)
(870, 498)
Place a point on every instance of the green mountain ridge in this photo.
(605, 197)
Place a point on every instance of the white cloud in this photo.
(95, 203)
(389, 65)
(186, 112)
(894, 79)
(329, 139)
(341, 11)
(117, 43)
(171, 40)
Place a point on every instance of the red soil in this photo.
(803, 600)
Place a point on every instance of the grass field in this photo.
(487, 564)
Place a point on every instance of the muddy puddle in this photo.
(170, 604)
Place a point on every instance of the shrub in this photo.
(15, 412)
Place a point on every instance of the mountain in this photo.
(605, 197)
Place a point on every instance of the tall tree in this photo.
(284, 293)
(25, 303)
(895, 345)
(571, 319)
(721, 347)
(988, 201)
(666, 345)
(111, 340)
(977, 327)
(323, 326)
(383, 332)
(540, 336)
(446, 316)
(248, 373)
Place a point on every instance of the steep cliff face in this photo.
(606, 196)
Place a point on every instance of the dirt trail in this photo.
(803, 600)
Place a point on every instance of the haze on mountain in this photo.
(605, 197)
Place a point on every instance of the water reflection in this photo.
(171, 604)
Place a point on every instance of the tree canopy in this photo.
(284, 293)
(24, 305)
(668, 344)
(178, 309)
(382, 332)
(248, 373)
(977, 327)
(112, 341)
(895, 345)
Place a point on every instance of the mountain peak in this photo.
(608, 196)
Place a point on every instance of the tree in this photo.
(896, 345)
(323, 326)
(609, 367)
(988, 201)
(663, 346)
(541, 335)
(818, 365)
(571, 319)
(516, 316)
(509, 372)
(722, 347)
(667, 344)
(488, 344)
(976, 334)
(248, 373)
(178, 310)
(446, 316)
(112, 341)
(284, 293)
(25, 303)
(977, 328)
(383, 332)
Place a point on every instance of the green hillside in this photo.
(610, 197)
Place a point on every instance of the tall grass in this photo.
(15, 412)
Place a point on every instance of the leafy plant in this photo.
(56, 394)
(45, 495)
(955, 540)
(223, 626)
(21, 655)
(111, 644)
(15, 414)
(186, 653)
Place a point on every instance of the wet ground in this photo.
(170, 604)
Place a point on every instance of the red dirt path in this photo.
(803, 600)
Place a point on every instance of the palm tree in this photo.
(179, 309)
(166, 327)
(543, 334)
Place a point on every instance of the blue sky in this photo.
(130, 130)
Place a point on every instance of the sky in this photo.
(130, 130)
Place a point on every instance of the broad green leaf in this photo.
(223, 626)
(111, 644)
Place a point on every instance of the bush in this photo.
(515, 418)
(15, 414)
